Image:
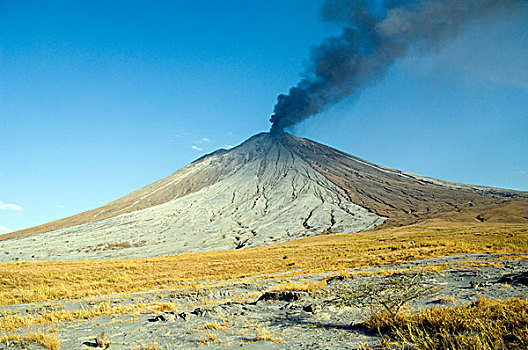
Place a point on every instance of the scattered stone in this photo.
(312, 308)
(334, 279)
(290, 306)
(286, 295)
(166, 317)
(515, 278)
(102, 340)
(201, 312)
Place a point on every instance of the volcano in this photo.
(274, 187)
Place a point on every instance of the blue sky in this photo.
(99, 98)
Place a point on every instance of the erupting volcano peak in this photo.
(274, 187)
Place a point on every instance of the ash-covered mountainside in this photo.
(271, 188)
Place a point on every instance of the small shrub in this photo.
(389, 295)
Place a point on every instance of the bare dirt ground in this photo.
(281, 311)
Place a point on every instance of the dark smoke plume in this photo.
(373, 38)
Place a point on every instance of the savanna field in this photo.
(289, 266)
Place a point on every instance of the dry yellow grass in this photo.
(264, 334)
(43, 281)
(210, 326)
(48, 340)
(303, 285)
(485, 325)
(13, 321)
(209, 337)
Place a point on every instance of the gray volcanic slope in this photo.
(271, 188)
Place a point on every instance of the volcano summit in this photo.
(274, 187)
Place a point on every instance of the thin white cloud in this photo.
(5, 229)
(61, 206)
(181, 134)
(196, 148)
(229, 146)
(202, 140)
(8, 206)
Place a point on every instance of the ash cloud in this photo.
(373, 37)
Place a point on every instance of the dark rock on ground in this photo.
(288, 296)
